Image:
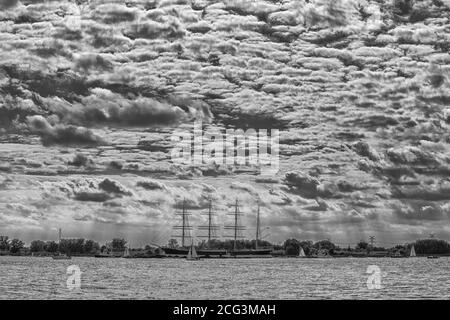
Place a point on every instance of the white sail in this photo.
(301, 253)
(413, 252)
(194, 252)
(189, 256)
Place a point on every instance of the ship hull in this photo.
(208, 252)
(260, 252)
(176, 251)
(61, 257)
(202, 252)
(218, 252)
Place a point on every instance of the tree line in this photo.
(292, 247)
(67, 246)
(424, 246)
(289, 247)
(12, 246)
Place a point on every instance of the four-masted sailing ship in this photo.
(211, 233)
(237, 229)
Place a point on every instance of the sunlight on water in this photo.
(344, 278)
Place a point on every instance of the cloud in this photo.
(421, 211)
(92, 61)
(411, 155)
(151, 185)
(62, 134)
(168, 27)
(92, 196)
(114, 187)
(320, 205)
(8, 4)
(325, 74)
(89, 190)
(439, 192)
(104, 107)
(114, 13)
(363, 149)
(244, 187)
(302, 184)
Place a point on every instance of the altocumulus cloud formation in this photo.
(60, 134)
(91, 91)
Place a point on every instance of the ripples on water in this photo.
(342, 278)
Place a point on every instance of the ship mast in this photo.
(258, 228)
(236, 226)
(185, 227)
(212, 228)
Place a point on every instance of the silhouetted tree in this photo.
(15, 245)
(70, 246)
(432, 246)
(307, 246)
(91, 246)
(51, 246)
(325, 245)
(362, 245)
(37, 246)
(118, 244)
(291, 247)
(4, 243)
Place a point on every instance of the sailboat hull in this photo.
(61, 257)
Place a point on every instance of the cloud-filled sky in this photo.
(91, 93)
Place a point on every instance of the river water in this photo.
(277, 278)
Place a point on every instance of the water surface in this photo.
(343, 278)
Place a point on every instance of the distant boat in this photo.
(413, 252)
(104, 255)
(433, 257)
(61, 257)
(237, 229)
(192, 254)
(301, 254)
(126, 253)
(184, 249)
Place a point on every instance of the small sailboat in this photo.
(192, 254)
(126, 253)
(301, 253)
(413, 252)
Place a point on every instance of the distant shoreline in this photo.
(118, 248)
(234, 257)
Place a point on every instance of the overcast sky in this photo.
(91, 94)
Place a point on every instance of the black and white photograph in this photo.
(224, 150)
